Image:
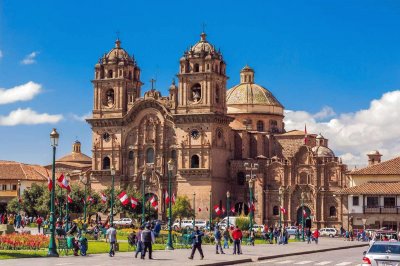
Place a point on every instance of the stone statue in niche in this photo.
(110, 98)
(196, 93)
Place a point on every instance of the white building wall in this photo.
(355, 209)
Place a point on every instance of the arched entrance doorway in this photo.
(241, 206)
(150, 212)
(306, 216)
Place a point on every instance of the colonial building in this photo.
(373, 198)
(209, 132)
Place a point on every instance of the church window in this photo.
(273, 126)
(106, 163)
(130, 75)
(260, 126)
(208, 66)
(240, 179)
(303, 178)
(196, 92)
(120, 72)
(332, 211)
(195, 161)
(173, 154)
(217, 94)
(196, 68)
(130, 155)
(219, 134)
(275, 210)
(150, 155)
(110, 74)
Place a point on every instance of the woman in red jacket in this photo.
(237, 236)
(316, 235)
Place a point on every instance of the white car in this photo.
(331, 232)
(292, 230)
(188, 224)
(124, 221)
(258, 227)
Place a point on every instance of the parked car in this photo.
(382, 253)
(223, 223)
(258, 227)
(188, 224)
(292, 230)
(124, 222)
(331, 232)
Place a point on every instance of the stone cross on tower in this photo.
(153, 81)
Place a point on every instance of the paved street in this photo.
(343, 257)
(180, 257)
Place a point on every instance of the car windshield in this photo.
(381, 248)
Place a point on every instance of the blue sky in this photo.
(310, 54)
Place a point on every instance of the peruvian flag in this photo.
(305, 213)
(103, 198)
(199, 209)
(223, 210)
(49, 183)
(69, 199)
(305, 134)
(90, 199)
(233, 209)
(173, 198)
(166, 197)
(217, 210)
(154, 202)
(134, 202)
(63, 183)
(283, 210)
(123, 198)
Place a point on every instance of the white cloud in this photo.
(24, 92)
(81, 118)
(1, 54)
(28, 117)
(353, 135)
(30, 58)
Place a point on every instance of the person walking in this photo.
(237, 236)
(308, 234)
(218, 238)
(18, 219)
(196, 237)
(139, 243)
(148, 239)
(226, 238)
(111, 234)
(39, 222)
(316, 236)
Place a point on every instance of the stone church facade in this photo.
(209, 132)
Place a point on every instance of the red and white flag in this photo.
(173, 198)
(69, 199)
(49, 183)
(283, 210)
(64, 183)
(166, 197)
(134, 202)
(90, 199)
(233, 209)
(123, 198)
(154, 202)
(217, 210)
(305, 134)
(305, 213)
(103, 198)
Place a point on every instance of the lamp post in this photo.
(143, 197)
(54, 136)
(250, 178)
(84, 181)
(302, 216)
(66, 208)
(281, 190)
(19, 196)
(112, 172)
(228, 207)
(210, 219)
(170, 169)
(194, 209)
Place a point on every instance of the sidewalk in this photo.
(180, 256)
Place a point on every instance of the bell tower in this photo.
(202, 80)
(116, 83)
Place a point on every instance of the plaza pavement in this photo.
(180, 256)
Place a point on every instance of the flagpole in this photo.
(66, 213)
(112, 195)
(210, 210)
(194, 209)
(302, 216)
(170, 169)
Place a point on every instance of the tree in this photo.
(182, 209)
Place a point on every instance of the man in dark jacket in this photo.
(196, 242)
(147, 240)
(218, 238)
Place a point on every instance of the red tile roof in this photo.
(373, 188)
(10, 170)
(390, 167)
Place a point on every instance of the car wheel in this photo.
(330, 235)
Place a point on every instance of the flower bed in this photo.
(23, 241)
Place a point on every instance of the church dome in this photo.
(249, 97)
(118, 54)
(202, 45)
(322, 151)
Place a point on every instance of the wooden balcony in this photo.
(382, 209)
(8, 193)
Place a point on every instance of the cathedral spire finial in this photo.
(117, 42)
(203, 34)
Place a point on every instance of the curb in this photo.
(223, 263)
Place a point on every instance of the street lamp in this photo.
(250, 178)
(143, 196)
(112, 172)
(171, 166)
(84, 181)
(228, 207)
(54, 136)
(66, 207)
(210, 210)
(302, 215)
(194, 209)
(281, 190)
(19, 196)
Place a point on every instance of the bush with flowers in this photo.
(23, 241)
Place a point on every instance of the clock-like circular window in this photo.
(106, 137)
(195, 133)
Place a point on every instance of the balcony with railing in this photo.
(8, 193)
(382, 209)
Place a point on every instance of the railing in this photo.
(382, 209)
(8, 193)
